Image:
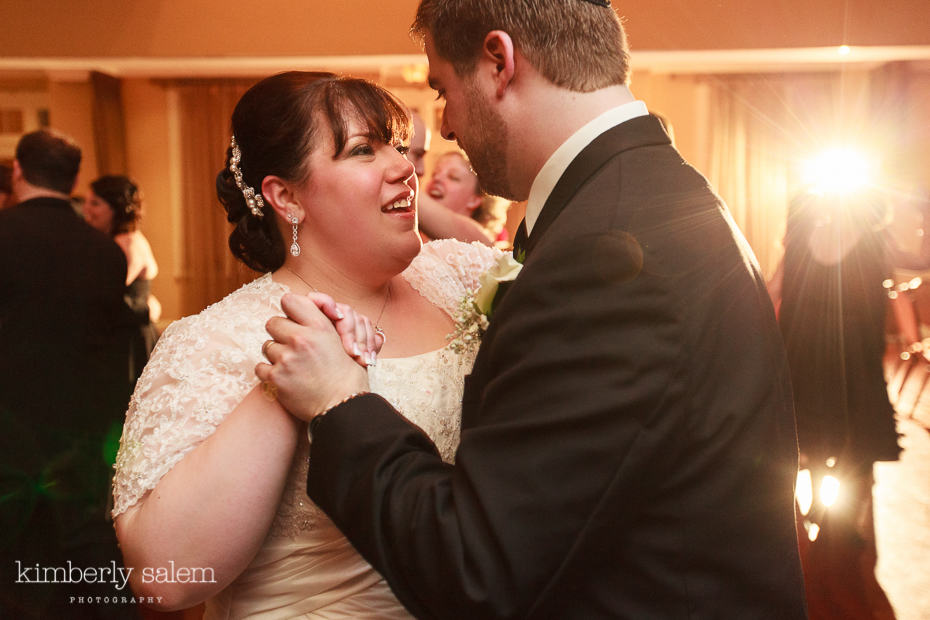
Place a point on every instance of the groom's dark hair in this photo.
(577, 45)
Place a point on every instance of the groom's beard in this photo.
(486, 145)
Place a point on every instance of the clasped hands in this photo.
(318, 355)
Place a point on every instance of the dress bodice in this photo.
(427, 388)
(200, 370)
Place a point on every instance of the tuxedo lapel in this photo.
(642, 131)
(637, 132)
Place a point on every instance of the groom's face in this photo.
(470, 120)
(485, 142)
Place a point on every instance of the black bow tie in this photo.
(519, 240)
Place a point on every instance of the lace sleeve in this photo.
(201, 368)
(446, 270)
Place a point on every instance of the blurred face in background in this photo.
(98, 213)
(6, 186)
(454, 185)
(419, 145)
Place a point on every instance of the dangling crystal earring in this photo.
(295, 249)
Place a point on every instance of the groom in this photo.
(628, 443)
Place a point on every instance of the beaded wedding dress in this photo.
(202, 367)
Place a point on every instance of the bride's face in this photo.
(360, 202)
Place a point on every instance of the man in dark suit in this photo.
(628, 444)
(63, 383)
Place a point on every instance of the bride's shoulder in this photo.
(259, 292)
(475, 255)
(451, 264)
(249, 303)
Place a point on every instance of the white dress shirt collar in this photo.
(558, 162)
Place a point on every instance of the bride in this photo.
(210, 486)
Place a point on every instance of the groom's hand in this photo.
(309, 367)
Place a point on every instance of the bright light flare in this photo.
(829, 490)
(804, 491)
(838, 171)
(843, 50)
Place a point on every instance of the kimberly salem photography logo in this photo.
(113, 574)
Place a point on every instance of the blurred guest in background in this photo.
(63, 386)
(114, 207)
(6, 186)
(455, 186)
(832, 317)
(434, 219)
(419, 144)
(908, 246)
(77, 203)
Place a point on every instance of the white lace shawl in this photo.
(202, 367)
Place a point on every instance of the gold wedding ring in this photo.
(269, 390)
(265, 346)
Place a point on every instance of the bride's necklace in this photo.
(387, 299)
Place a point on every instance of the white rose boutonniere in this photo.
(471, 321)
(505, 270)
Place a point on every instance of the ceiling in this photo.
(161, 38)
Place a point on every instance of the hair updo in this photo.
(123, 197)
(276, 125)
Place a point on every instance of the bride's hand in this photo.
(359, 338)
(310, 370)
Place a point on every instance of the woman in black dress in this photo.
(114, 206)
(832, 316)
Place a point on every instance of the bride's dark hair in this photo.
(276, 125)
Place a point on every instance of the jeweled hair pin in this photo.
(254, 201)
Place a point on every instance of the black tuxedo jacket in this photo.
(64, 326)
(628, 442)
(64, 381)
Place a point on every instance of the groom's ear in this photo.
(281, 196)
(497, 54)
